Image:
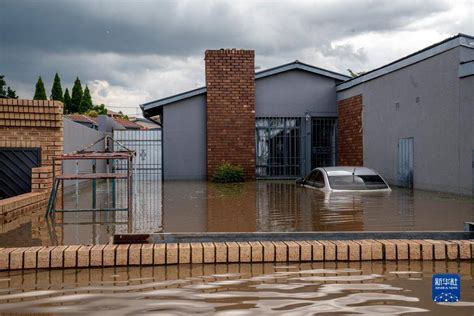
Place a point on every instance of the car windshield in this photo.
(357, 182)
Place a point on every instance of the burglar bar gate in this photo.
(278, 147)
(323, 142)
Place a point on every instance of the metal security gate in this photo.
(147, 185)
(146, 144)
(323, 142)
(278, 147)
(405, 162)
(15, 170)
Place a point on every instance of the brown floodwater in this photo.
(262, 206)
(335, 288)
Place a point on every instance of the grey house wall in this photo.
(78, 136)
(184, 139)
(107, 124)
(297, 93)
(441, 122)
(466, 126)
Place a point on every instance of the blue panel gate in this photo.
(405, 162)
(15, 170)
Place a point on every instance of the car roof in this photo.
(342, 171)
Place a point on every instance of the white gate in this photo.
(146, 144)
(146, 216)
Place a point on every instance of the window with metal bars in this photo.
(278, 142)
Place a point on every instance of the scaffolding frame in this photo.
(85, 154)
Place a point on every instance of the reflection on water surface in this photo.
(263, 206)
(237, 289)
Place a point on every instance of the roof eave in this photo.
(174, 98)
(302, 66)
(428, 52)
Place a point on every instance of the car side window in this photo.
(316, 178)
(319, 180)
(312, 176)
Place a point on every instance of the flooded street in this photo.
(263, 206)
(238, 289)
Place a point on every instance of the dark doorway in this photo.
(15, 170)
(323, 142)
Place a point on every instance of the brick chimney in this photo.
(230, 81)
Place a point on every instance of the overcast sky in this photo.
(131, 52)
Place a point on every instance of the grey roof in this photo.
(173, 98)
(430, 51)
(302, 66)
(258, 75)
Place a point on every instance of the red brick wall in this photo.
(230, 80)
(349, 143)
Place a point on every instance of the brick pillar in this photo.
(230, 81)
(349, 132)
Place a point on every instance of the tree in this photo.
(40, 93)
(67, 102)
(57, 90)
(92, 113)
(3, 84)
(76, 96)
(123, 116)
(11, 93)
(355, 74)
(99, 109)
(86, 102)
(6, 91)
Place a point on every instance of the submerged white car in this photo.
(345, 179)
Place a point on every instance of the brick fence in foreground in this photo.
(233, 252)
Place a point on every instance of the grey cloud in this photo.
(122, 41)
(345, 51)
(177, 28)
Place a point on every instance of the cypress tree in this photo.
(76, 96)
(11, 93)
(3, 86)
(57, 90)
(86, 102)
(6, 90)
(40, 93)
(67, 102)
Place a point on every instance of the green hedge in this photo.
(228, 173)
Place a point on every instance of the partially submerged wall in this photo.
(184, 139)
(31, 124)
(429, 102)
(81, 256)
(230, 81)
